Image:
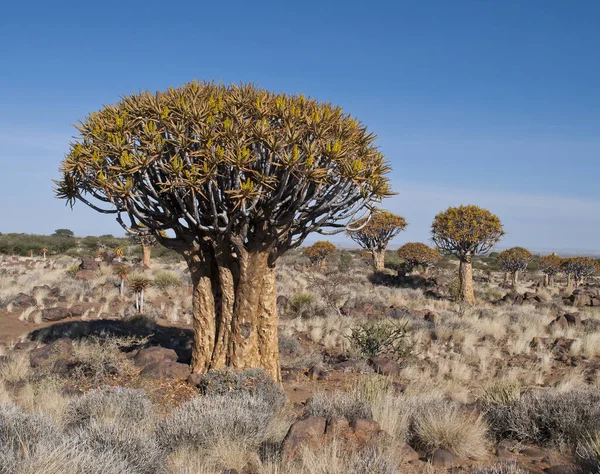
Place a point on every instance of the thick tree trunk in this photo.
(146, 252)
(506, 277)
(426, 275)
(378, 260)
(546, 279)
(465, 276)
(235, 312)
(515, 279)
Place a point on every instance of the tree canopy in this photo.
(319, 251)
(418, 253)
(550, 264)
(515, 259)
(466, 230)
(208, 161)
(376, 231)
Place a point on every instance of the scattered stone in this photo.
(337, 427)
(88, 263)
(22, 301)
(443, 458)
(154, 354)
(308, 432)
(166, 369)
(366, 426)
(561, 469)
(55, 314)
(314, 373)
(385, 366)
(24, 346)
(43, 356)
(533, 453)
(432, 317)
(407, 453)
(194, 379)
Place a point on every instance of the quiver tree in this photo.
(119, 254)
(417, 254)
(122, 271)
(550, 266)
(318, 252)
(515, 260)
(466, 231)
(578, 269)
(235, 176)
(146, 239)
(44, 250)
(139, 284)
(375, 233)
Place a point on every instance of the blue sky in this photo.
(494, 103)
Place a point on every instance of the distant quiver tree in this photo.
(466, 231)
(375, 233)
(236, 176)
(515, 260)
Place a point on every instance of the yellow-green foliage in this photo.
(250, 163)
(580, 267)
(376, 232)
(319, 251)
(466, 230)
(550, 264)
(515, 259)
(418, 254)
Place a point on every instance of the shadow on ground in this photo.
(178, 339)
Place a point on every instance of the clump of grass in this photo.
(339, 404)
(444, 425)
(372, 339)
(302, 304)
(164, 279)
(502, 392)
(550, 418)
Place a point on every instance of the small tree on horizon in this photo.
(417, 254)
(466, 231)
(43, 251)
(578, 269)
(63, 233)
(235, 176)
(375, 233)
(318, 252)
(513, 261)
(550, 266)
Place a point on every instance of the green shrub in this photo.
(302, 304)
(164, 279)
(372, 339)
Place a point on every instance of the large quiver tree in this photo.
(578, 269)
(466, 231)
(515, 260)
(375, 233)
(236, 176)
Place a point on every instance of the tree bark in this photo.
(235, 312)
(465, 276)
(546, 279)
(426, 275)
(569, 281)
(506, 277)
(378, 260)
(515, 279)
(146, 252)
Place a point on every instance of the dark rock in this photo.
(432, 317)
(533, 452)
(23, 301)
(154, 354)
(443, 458)
(337, 427)
(314, 373)
(407, 454)
(166, 369)
(574, 319)
(24, 346)
(195, 379)
(368, 427)
(309, 432)
(385, 366)
(43, 356)
(89, 263)
(561, 469)
(55, 314)
(560, 322)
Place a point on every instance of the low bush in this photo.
(348, 405)
(302, 304)
(547, 418)
(372, 339)
(164, 279)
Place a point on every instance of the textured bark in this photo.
(515, 279)
(235, 312)
(546, 279)
(378, 260)
(147, 252)
(426, 275)
(506, 277)
(465, 275)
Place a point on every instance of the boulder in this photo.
(166, 369)
(23, 301)
(385, 366)
(154, 354)
(55, 314)
(88, 263)
(443, 458)
(308, 432)
(407, 454)
(46, 355)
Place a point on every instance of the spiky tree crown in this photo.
(417, 253)
(466, 230)
(210, 161)
(139, 283)
(375, 233)
(550, 264)
(580, 267)
(319, 251)
(515, 259)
